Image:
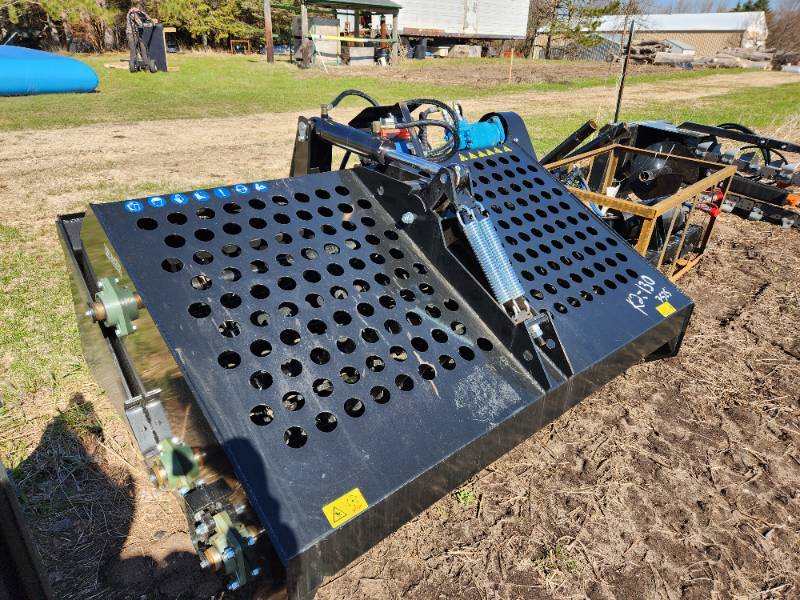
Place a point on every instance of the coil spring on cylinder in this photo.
(491, 255)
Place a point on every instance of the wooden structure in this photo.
(675, 260)
(360, 8)
(244, 44)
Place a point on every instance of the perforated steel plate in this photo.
(599, 290)
(327, 354)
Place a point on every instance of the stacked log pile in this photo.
(785, 57)
(747, 58)
(644, 51)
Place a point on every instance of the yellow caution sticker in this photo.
(665, 309)
(466, 156)
(345, 507)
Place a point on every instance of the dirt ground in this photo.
(678, 479)
(490, 75)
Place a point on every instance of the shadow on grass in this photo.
(80, 506)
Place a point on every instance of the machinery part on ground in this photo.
(640, 194)
(764, 169)
(296, 326)
(759, 211)
(116, 306)
(22, 576)
(229, 550)
(177, 466)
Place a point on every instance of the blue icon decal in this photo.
(200, 195)
(241, 188)
(178, 199)
(261, 186)
(221, 192)
(133, 206)
(156, 202)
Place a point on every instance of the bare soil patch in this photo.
(483, 75)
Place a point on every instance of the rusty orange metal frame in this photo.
(677, 267)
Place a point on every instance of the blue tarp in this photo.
(24, 71)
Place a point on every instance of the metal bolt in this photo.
(251, 541)
(133, 327)
(239, 509)
(204, 564)
(443, 177)
(408, 218)
(233, 585)
(100, 285)
(255, 572)
(153, 477)
(201, 530)
(228, 554)
(515, 140)
(88, 313)
(117, 330)
(116, 279)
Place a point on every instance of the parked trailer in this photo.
(454, 20)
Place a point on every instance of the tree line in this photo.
(99, 25)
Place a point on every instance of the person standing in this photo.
(134, 23)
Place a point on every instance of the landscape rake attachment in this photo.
(311, 362)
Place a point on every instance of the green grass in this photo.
(209, 85)
(465, 497)
(555, 559)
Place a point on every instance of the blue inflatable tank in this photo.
(24, 71)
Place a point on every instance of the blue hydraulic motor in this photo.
(482, 134)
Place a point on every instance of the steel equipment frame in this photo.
(335, 345)
(608, 158)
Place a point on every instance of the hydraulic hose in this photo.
(347, 93)
(447, 150)
(449, 123)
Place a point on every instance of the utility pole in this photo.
(268, 31)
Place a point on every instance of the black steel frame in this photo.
(591, 329)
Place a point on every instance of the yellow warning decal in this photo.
(665, 309)
(345, 507)
(464, 157)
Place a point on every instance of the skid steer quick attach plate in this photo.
(350, 385)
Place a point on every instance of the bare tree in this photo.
(539, 13)
(784, 27)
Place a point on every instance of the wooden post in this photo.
(511, 63)
(305, 54)
(396, 38)
(357, 23)
(268, 31)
